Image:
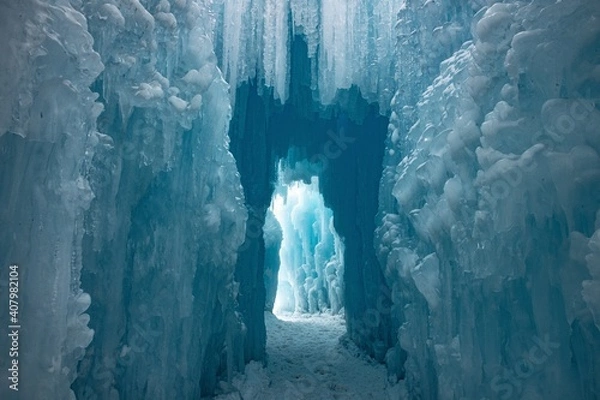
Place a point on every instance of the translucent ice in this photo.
(311, 251)
(493, 172)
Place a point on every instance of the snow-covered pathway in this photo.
(307, 360)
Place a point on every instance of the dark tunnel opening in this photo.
(345, 141)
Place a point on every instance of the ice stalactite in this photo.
(349, 43)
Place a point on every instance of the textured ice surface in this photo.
(47, 140)
(139, 205)
(489, 205)
(311, 255)
(349, 43)
(273, 236)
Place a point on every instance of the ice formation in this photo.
(45, 191)
(137, 186)
(349, 43)
(311, 255)
(470, 222)
(493, 172)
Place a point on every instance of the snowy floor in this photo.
(307, 360)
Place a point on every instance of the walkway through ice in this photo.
(309, 358)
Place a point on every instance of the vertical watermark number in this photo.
(14, 327)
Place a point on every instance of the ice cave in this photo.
(300, 199)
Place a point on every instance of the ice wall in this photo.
(311, 270)
(488, 224)
(127, 191)
(47, 140)
(175, 208)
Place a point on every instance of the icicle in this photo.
(276, 45)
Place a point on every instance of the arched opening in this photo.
(277, 146)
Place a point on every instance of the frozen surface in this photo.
(311, 358)
(489, 202)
